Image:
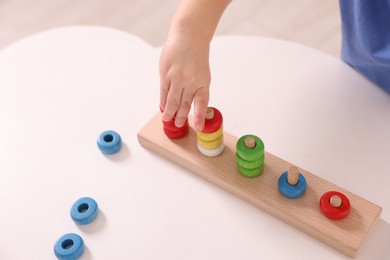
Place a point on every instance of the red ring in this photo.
(214, 124)
(170, 125)
(333, 212)
(177, 134)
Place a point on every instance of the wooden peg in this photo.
(250, 142)
(293, 175)
(210, 113)
(335, 201)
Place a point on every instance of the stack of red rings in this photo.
(174, 132)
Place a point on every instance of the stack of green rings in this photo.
(250, 158)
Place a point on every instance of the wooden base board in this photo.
(304, 214)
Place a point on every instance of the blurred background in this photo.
(314, 23)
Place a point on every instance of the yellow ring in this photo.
(210, 145)
(208, 137)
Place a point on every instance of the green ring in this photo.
(247, 164)
(250, 173)
(250, 154)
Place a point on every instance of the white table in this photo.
(60, 89)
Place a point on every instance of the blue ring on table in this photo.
(109, 142)
(69, 247)
(292, 191)
(84, 211)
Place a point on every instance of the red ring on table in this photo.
(183, 131)
(214, 124)
(334, 212)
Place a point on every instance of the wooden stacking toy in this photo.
(343, 223)
(250, 155)
(210, 139)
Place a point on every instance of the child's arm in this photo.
(184, 63)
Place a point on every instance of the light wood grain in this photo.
(304, 214)
(335, 201)
(293, 175)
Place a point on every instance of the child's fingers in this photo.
(172, 102)
(164, 89)
(201, 100)
(185, 107)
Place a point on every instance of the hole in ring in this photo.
(67, 244)
(108, 138)
(82, 208)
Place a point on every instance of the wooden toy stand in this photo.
(304, 213)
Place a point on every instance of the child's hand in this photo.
(184, 78)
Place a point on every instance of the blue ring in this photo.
(69, 247)
(84, 211)
(292, 191)
(109, 142)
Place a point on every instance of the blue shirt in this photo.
(366, 38)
